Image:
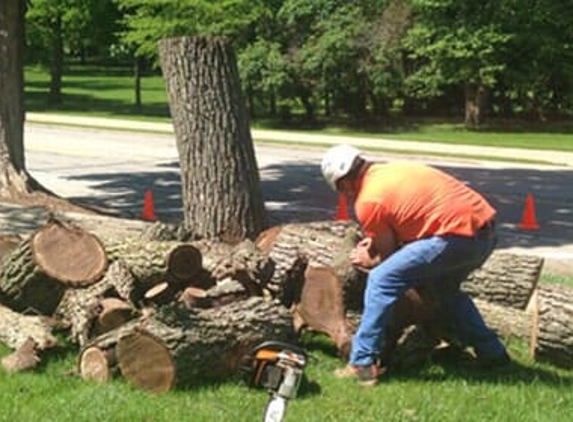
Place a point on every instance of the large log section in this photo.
(34, 276)
(505, 279)
(554, 323)
(153, 262)
(179, 347)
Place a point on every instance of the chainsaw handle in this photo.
(279, 346)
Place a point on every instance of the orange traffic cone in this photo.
(342, 208)
(528, 221)
(148, 207)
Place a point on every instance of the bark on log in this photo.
(153, 262)
(505, 279)
(24, 358)
(554, 339)
(507, 321)
(36, 274)
(178, 347)
(97, 360)
(80, 307)
(8, 244)
(325, 243)
(16, 329)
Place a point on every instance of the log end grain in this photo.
(94, 365)
(185, 262)
(69, 254)
(146, 363)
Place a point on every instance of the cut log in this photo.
(506, 321)
(320, 307)
(177, 347)
(322, 243)
(246, 264)
(23, 359)
(193, 297)
(153, 262)
(555, 325)
(16, 329)
(505, 279)
(97, 360)
(111, 313)
(96, 364)
(35, 275)
(80, 307)
(160, 294)
(8, 244)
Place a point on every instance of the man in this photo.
(420, 224)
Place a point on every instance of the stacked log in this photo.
(35, 275)
(166, 313)
(172, 348)
(553, 323)
(505, 279)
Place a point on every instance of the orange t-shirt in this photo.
(417, 201)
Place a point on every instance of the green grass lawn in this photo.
(109, 92)
(96, 91)
(527, 392)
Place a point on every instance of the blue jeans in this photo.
(444, 261)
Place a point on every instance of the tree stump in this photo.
(35, 275)
(179, 347)
(222, 196)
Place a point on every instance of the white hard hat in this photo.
(337, 162)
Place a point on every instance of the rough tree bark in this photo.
(35, 275)
(13, 176)
(505, 279)
(220, 181)
(176, 347)
(554, 325)
(153, 262)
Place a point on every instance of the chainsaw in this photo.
(278, 367)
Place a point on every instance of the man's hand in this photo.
(363, 254)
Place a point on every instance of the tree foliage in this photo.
(359, 59)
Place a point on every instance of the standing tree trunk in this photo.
(137, 71)
(476, 95)
(221, 188)
(15, 181)
(12, 167)
(57, 60)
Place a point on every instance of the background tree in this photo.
(458, 42)
(539, 77)
(220, 181)
(77, 28)
(13, 176)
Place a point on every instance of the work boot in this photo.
(366, 376)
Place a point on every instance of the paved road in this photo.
(114, 168)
